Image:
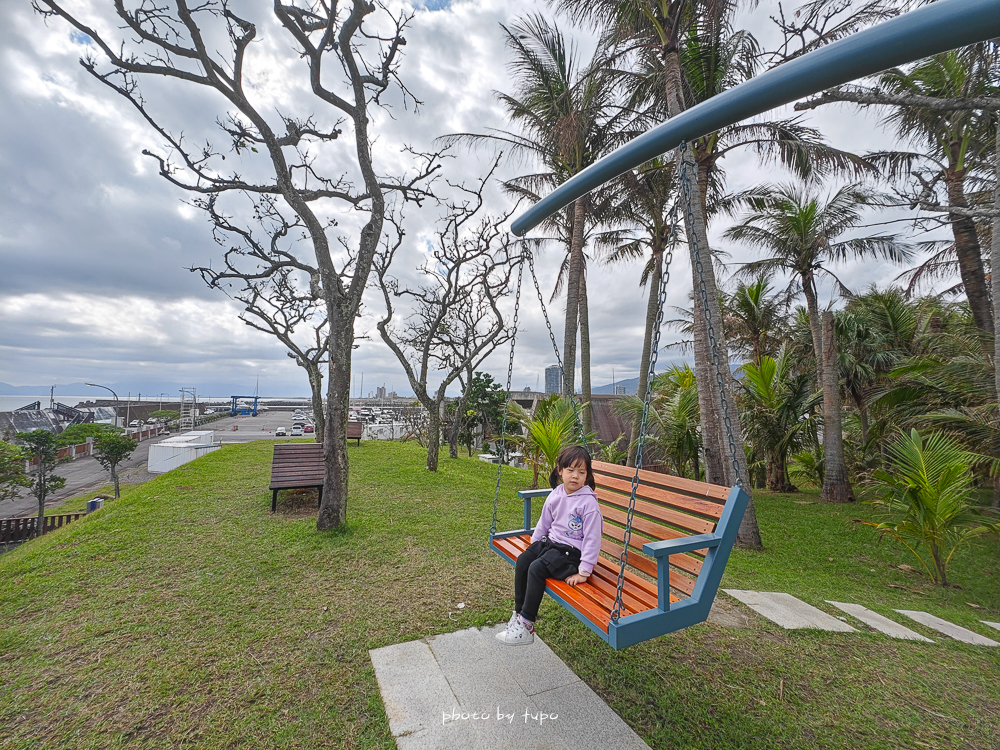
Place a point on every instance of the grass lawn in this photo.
(186, 615)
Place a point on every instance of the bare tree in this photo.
(350, 53)
(278, 291)
(455, 322)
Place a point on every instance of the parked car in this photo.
(280, 432)
(308, 428)
(296, 430)
(135, 423)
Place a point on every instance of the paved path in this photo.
(466, 691)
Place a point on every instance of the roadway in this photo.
(85, 474)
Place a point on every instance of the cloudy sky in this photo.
(94, 245)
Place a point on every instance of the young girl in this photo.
(565, 544)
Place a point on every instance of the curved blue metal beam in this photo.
(930, 30)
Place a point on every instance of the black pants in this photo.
(543, 559)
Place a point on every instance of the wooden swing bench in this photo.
(682, 533)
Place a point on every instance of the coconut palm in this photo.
(928, 491)
(672, 435)
(756, 319)
(799, 232)
(568, 115)
(657, 26)
(778, 402)
(955, 150)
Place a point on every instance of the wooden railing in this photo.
(19, 529)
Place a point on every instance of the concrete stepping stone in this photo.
(789, 612)
(467, 690)
(950, 629)
(991, 624)
(880, 623)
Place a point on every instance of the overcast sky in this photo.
(94, 245)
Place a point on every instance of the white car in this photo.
(280, 432)
(135, 423)
(296, 430)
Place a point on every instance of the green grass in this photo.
(186, 615)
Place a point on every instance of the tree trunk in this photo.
(584, 314)
(995, 279)
(114, 479)
(749, 534)
(652, 308)
(836, 485)
(574, 274)
(970, 255)
(434, 435)
(815, 323)
(333, 509)
(40, 493)
(316, 388)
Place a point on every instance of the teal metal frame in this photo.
(667, 617)
(926, 31)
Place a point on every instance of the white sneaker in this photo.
(512, 620)
(516, 634)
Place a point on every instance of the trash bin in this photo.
(96, 504)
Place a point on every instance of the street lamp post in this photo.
(95, 385)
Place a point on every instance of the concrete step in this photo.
(789, 612)
(947, 628)
(881, 624)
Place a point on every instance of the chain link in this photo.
(510, 374)
(687, 190)
(653, 354)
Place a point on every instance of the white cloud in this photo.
(96, 245)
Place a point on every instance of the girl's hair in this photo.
(570, 456)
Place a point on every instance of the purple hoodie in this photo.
(575, 520)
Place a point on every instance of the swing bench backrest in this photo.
(681, 535)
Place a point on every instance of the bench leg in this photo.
(274, 501)
(319, 503)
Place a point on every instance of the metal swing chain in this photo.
(503, 421)
(555, 348)
(687, 190)
(653, 353)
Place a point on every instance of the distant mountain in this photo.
(631, 387)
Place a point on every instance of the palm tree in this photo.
(672, 435)
(777, 404)
(928, 488)
(647, 194)
(756, 319)
(657, 27)
(799, 232)
(956, 147)
(569, 116)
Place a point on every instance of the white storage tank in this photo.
(179, 450)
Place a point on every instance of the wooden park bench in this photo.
(682, 533)
(296, 466)
(355, 430)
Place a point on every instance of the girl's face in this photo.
(573, 477)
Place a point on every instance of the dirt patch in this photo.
(297, 504)
(729, 615)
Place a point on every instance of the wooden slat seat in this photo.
(666, 508)
(355, 430)
(296, 466)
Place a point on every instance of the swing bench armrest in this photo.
(527, 495)
(668, 547)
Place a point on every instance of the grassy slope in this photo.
(186, 614)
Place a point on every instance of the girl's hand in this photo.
(576, 579)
